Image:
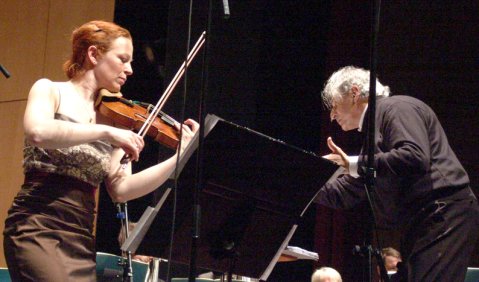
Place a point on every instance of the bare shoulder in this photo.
(44, 93)
(43, 87)
(43, 83)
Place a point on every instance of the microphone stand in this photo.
(199, 159)
(127, 266)
(370, 143)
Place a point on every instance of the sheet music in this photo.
(299, 253)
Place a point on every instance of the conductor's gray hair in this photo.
(341, 81)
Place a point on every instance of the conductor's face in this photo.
(347, 110)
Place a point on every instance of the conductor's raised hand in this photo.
(337, 155)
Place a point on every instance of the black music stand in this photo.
(255, 190)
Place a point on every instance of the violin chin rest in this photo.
(106, 93)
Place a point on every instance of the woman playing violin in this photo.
(69, 150)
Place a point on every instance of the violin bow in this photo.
(161, 102)
(179, 74)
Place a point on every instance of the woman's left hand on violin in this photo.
(189, 129)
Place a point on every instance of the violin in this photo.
(152, 122)
(133, 115)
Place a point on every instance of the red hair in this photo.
(95, 33)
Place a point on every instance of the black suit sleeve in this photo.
(343, 192)
(403, 142)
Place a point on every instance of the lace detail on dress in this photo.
(88, 162)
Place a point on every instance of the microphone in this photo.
(4, 71)
(226, 9)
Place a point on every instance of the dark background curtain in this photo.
(267, 64)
